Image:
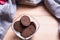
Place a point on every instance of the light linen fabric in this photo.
(7, 12)
(53, 6)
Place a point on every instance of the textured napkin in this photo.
(7, 12)
(53, 6)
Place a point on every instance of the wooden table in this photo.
(48, 25)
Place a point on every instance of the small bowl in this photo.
(32, 20)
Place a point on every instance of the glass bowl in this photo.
(32, 20)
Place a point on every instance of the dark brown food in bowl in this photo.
(32, 23)
(17, 26)
(25, 20)
(28, 31)
(25, 26)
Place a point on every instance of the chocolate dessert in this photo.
(25, 26)
(28, 31)
(32, 23)
(25, 20)
(17, 26)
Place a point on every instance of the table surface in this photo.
(48, 29)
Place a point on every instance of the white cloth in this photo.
(7, 12)
(53, 6)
